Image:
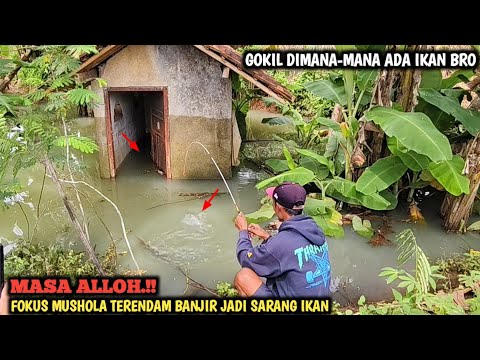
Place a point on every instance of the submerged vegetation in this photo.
(391, 133)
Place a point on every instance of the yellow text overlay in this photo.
(173, 306)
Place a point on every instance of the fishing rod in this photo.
(218, 169)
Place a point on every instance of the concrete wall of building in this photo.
(131, 123)
(199, 102)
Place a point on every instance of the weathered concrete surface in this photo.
(214, 134)
(101, 139)
(196, 90)
(131, 124)
(258, 131)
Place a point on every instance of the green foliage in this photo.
(427, 140)
(61, 81)
(37, 95)
(424, 273)
(366, 78)
(322, 160)
(299, 175)
(449, 174)
(474, 227)
(381, 175)
(308, 131)
(412, 155)
(243, 94)
(84, 144)
(471, 279)
(460, 264)
(6, 66)
(328, 90)
(462, 75)
(335, 151)
(30, 259)
(225, 289)
(469, 118)
(291, 164)
(413, 160)
(325, 215)
(440, 119)
(278, 166)
(58, 102)
(418, 293)
(362, 228)
(81, 96)
(78, 50)
(345, 190)
(321, 210)
(51, 91)
(8, 189)
(329, 123)
(263, 214)
(431, 79)
(321, 172)
(306, 103)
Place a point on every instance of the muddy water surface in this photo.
(178, 234)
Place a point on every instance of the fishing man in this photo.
(295, 262)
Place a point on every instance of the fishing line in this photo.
(218, 169)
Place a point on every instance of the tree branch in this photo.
(6, 81)
(73, 217)
(116, 209)
(67, 147)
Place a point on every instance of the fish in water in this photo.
(192, 220)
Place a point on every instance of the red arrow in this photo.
(207, 203)
(133, 144)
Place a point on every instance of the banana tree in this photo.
(352, 91)
(442, 100)
(417, 148)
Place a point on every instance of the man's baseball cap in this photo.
(289, 195)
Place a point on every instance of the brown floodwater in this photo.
(179, 235)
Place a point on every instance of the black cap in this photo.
(290, 195)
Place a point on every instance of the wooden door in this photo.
(157, 130)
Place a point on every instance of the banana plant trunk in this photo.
(456, 210)
(371, 144)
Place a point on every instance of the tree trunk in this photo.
(71, 212)
(456, 210)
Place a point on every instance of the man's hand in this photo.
(257, 230)
(241, 222)
(4, 302)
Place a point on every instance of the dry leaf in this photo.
(358, 158)
(415, 214)
(459, 299)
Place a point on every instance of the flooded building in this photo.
(165, 98)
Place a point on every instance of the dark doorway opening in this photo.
(140, 113)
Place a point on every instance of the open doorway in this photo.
(141, 114)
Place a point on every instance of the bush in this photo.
(306, 103)
(30, 259)
(225, 289)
